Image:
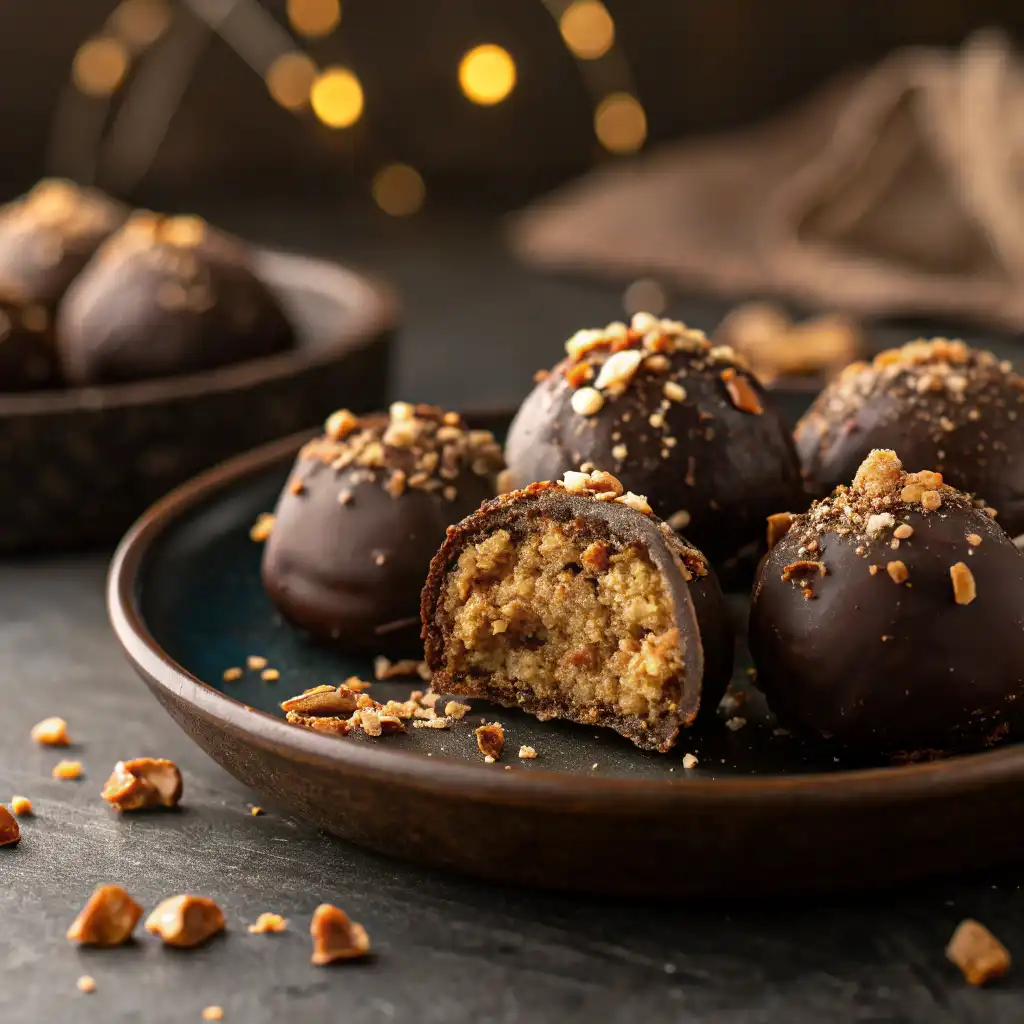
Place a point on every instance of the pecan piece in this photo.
(978, 953)
(142, 783)
(335, 937)
(51, 732)
(490, 739)
(185, 921)
(10, 830)
(107, 919)
(329, 701)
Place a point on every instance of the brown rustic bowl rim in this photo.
(892, 785)
(373, 307)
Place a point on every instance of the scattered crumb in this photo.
(86, 983)
(527, 753)
(51, 732)
(903, 531)
(490, 739)
(143, 783)
(10, 830)
(185, 921)
(21, 805)
(897, 572)
(67, 770)
(488, 759)
(978, 953)
(268, 923)
(232, 674)
(453, 709)
(735, 723)
(593, 767)
(335, 937)
(256, 662)
(255, 811)
(973, 539)
(107, 919)
(213, 1013)
(965, 590)
(689, 761)
(270, 675)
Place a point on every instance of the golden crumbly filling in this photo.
(576, 622)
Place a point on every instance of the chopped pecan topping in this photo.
(587, 401)
(978, 953)
(67, 770)
(335, 937)
(973, 539)
(637, 502)
(903, 531)
(778, 527)
(323, 700)
(143, 783)
(879, 473)
(527, 753)
(231, 675)
(965, 590)
(897, 572)
(268, 923)
(453, 709)
(185, 921)
(107, 919)
(10, 830)
(490, 739)
(741, 392)
(51, 732)
(804, 569)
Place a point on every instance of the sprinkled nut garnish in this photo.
(674, 391)
(978, 953)
(270, 675)
(268, 923)
(213, 1013)
(262, 528)
(256, 662)
(67, 770)
(689, 761)
(679, 520)
(232, 674)
(637, 502)
(490, 739)
(878, 473)
(10, 830)
(741, 392)
(587, 401)
(973, 539)
(618, 370)
(323, 700)
(336, 937)
(878, 522)
(897, 572)
(185, 921)
(804, 569)
(86, 983)
(340, 424)
(143, 783)
(21, 806)
(964, 588)
(51, 732)
(778, 527)
(107, 919)
(527, 753)
(903, 531)
(453, 709)
(931, 500)
(296, 487)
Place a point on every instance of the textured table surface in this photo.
(447, 949)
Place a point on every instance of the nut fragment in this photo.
(490, 739)
(978, 953)
(51, 732)
(86, 983)
(637, 502)
(453, 709)
(778, 527)
(107, 919)
(965, 590)
(323, 700)
(689, 761)
(142, 783)
(65, 770)
(262, 528)
(335, 937)
(10, 831)
(256, 662)
(185, 921)
(231, 675)
(587, 401)
(268, 923)
(741, 392)
(897, 572)
(903, 531)
(21, 806)
(527, 753)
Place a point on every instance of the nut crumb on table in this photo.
(108, 918)
(527, 753)
(689, 761)
(86, 983)
(336, 937)
(10, 830)
(270, 675)
(268, 923)
(233, 674)
(51, 732)
(67, 770)
(256, 662)
(978, 953)
(185, 921)
(490, 739)
(21, 806)
(143, 783)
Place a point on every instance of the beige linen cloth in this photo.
(897, 191)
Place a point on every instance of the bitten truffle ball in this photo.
(365, 509)
(890, 617)
(938, 403)
(165, 296)
(673, 417)
(573, 600)
(48, 235)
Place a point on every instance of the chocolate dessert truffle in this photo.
(28, 358)
(572, 600)
(163, 296)
(673, 417)
(365, 509)
(939, 404)
(48, 235)
(890, 617)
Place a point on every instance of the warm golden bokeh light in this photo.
(314, 18)
(587, 28)
(487, 74)
(398, 189)
(140, 23)
(290, 78)
(620, 123)
(644, 295)
(337, 97)
(100, 66)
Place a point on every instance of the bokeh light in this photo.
(100, 66)
(398, 189)
(290, 78)
(487, 74)
(337, 97)
(140, 23)
(620, 123)
(314, 18)
(587, 28)
(644, 295)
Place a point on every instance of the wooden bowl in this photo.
(81, 464)
(761, 814)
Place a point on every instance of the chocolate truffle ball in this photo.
(364, 511)
(938, 403)
(164, 296)
(48, 235)
(572, 600)
(890, 617)
(675, 418)
(28, 358)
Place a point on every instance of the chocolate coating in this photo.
(48, 235)
(716, 462)
(882, 666)
(350, 574)
(938, 404)
(28, 358)
(165, 296)
(699, 611)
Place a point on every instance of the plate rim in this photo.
(885, 785)
(374, 309)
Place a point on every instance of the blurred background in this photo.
(396, 133)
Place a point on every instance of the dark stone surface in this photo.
(448, 950)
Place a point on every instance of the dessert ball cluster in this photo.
(890, 616)
(673, 417)
(365, 509)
